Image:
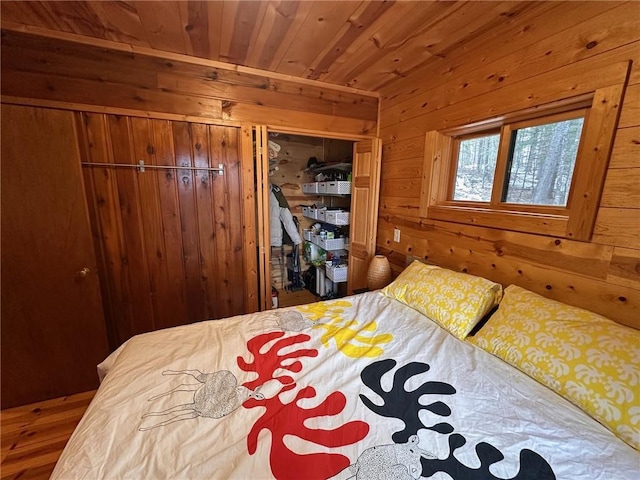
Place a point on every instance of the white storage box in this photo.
(331, 244)
(337, 217)
(312, 213)
(322, 187)
(321, 214)
(337, 274)
(338, 187)
(306, 234)
(310, 187)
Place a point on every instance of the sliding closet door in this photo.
(170, 241)
(53, 332)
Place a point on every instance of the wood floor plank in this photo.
(36, 459)
(33, 436)
(42, 472)
(300, 297)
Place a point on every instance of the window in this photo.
(476, 167)
(541, 161)
(540, 157)
(538, 171)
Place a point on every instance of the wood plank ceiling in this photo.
(361, 44)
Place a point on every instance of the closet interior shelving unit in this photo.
(332, 186)
(312, 174)
(327, 245)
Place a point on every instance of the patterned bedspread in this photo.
(362, 387)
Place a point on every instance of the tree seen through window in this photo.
(542, 163)
(476, 168)
(539, 167)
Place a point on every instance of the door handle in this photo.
(82, 273)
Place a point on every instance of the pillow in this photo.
(456, 301)
(588, 359)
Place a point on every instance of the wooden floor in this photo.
(301, 297)
(33, 436)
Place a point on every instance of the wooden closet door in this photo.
(170, 241)
(53, 331)
(365, 194)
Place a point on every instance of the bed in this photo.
(364, 387)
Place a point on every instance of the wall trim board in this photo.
(283, 118)
(246, 157)
(123, 47)
(84, 107)
(317, 133)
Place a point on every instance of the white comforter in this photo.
(361, 387)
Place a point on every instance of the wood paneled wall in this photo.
(169, 242)
(517, 65)
(116, 80)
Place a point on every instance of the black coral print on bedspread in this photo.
(532, 465)
(404, 405)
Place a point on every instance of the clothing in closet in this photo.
(280, 219)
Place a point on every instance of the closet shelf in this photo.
(345, 167)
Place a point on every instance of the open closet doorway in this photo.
(310, 205)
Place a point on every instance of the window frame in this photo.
(576, 220)
(504, 155)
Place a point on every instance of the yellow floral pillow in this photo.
(456, 301)
(588, 359)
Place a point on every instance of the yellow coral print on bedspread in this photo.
(353, 339)
(322, 310)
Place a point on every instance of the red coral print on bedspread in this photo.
(265, 364)
(287, 419)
